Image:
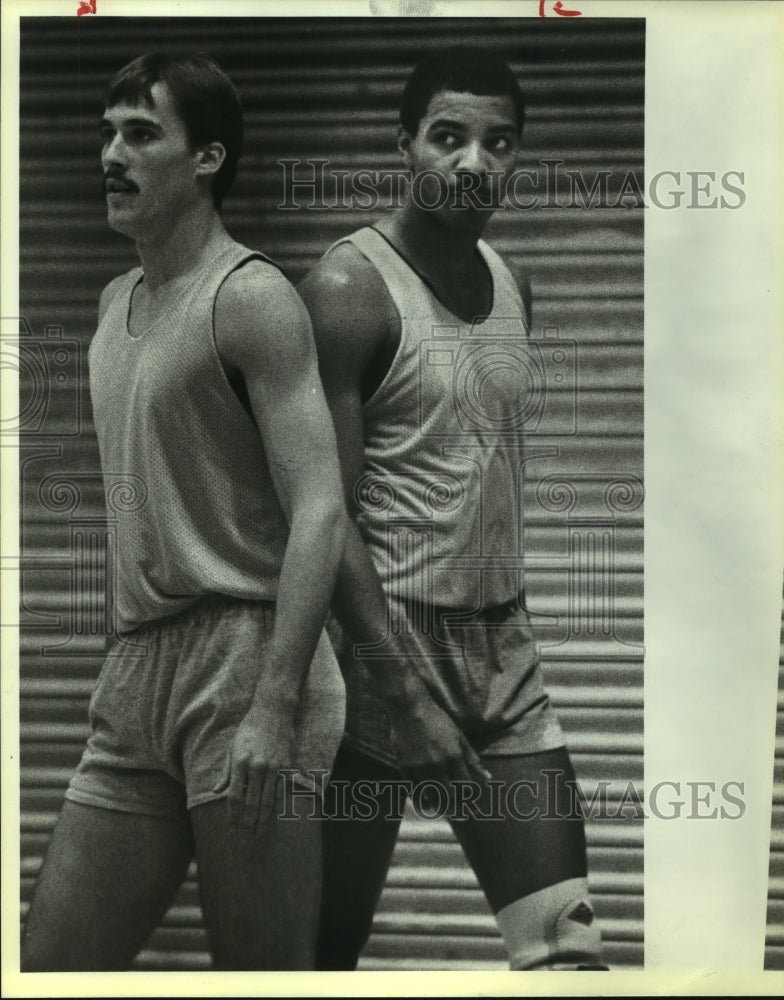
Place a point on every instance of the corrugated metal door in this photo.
(327, 89)
(774, 938)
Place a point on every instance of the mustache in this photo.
(117, 175)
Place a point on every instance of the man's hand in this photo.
(262, 747)
(428, 744)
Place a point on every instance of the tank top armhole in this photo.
(504, 279)
(250, 255)
(361, 247)
(121, 300)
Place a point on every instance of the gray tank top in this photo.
(441, 497)
(204, 517)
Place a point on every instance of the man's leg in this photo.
(533, 870)
(260, 892)
(357, 853)
(107, 880)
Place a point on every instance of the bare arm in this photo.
(263, 332)
(349, 331)
(351, 317)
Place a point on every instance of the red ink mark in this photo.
(558, 8)
(87, 7)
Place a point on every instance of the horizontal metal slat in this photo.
(172, 961)
(545, 229)
(283, 40)
(606, 690)
(575, 706)
(604, 455)
(47, 535)
(449, 947)
(555, 92)
(549, 586)
(568, 267)
(625, 282)
(579, 742)
(618, 954)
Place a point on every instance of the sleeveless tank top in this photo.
(200, 514)
(440, 500)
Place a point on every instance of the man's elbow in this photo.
(326, 518)
(336, 520)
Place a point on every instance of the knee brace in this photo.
(553, 928)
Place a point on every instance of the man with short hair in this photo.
(205, 386)
(420, 329)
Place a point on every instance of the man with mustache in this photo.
(420, 329)
(205, 388)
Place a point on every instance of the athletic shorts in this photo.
(482, 668)
(168, 701)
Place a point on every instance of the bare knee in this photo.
(260, 890)
(356, 861)
(357, 855)
(553, 928)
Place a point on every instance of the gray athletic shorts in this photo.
(168, 701)
(483, 669)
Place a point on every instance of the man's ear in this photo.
(209, 159)
(404, 146)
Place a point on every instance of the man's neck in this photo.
(176, 252)
(431, 245)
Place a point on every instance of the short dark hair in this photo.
(204, 96)
(464, 69)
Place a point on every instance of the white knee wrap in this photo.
(553, 928)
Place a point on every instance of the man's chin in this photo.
(467, 220)
(121, 222)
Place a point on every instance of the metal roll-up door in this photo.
(328, 89)
(774, 938)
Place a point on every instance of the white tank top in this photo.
(205, 517)
(441, 497)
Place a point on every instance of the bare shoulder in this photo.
(257, 308)
(257, 286)
(343, 269)
(348, 302)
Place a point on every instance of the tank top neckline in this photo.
(175, 302)
(431, 288)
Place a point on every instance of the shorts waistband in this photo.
(495, 613)
(200, 606)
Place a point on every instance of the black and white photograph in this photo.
(388, 595)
